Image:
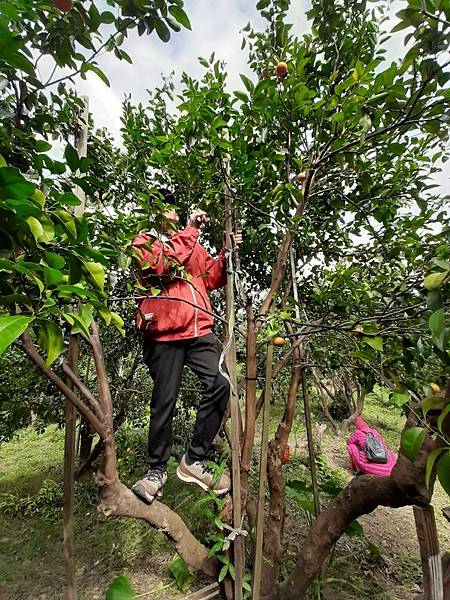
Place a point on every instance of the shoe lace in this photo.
(155, 475)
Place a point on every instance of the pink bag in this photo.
(356, 445)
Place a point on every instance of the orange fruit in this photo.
(62, 5)
(281, 70)
(286, 454)
(279, 341)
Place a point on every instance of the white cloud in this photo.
(215, 28)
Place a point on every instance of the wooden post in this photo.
(306, 404)
(309, 435)
(81, 138)
(262, 476)
(70, 418)
(433, 584)
(238, 544)
(70, 413)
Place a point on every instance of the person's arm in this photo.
(215, 271)
(158, 257)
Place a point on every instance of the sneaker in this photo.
(150, 486)
(198, 473)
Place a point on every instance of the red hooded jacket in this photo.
(167, 317)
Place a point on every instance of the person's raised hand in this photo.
(198, 219)
(237, 238)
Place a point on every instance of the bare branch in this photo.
(29, 348)
(83, 389)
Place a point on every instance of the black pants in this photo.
(165, 361)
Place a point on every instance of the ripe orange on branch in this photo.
(62, 5)
(279, 341)
(301, 177)
(286, 454)
(282, 70)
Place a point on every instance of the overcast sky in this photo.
(215, 28)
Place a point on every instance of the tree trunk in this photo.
(70, 419)
(86, 439)
(273, 541)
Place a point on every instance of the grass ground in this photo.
(381, 564)
(31, 560)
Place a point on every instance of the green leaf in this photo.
(36, 228)
(181, 573)
(411, 442)
(14, 185)
(105, 313)
(443, 472)
(430, 463)
(96, 274)
(162, 30)
(83, 319)
(52, 276)
(218, 122)
(445, 412)
(354, 529)
(50, 340)
(434, 280)
(400, 398)
(434, 299)
(223, 572)
(430, 403)
(179, 15)
(90, 67)
(248, 83)
(21, 62)
(374, 342)
(107, 17)
(11, 327)
(39, 197)
(120, 589)
(437, 328)
(66, 220)
(54, 260)
(118, 323)
(72, 158)
(70, 199)
(42, 146)
(68, 291)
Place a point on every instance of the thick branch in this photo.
(83, 389)
(102, 378)
(274, 532)
(117, 500)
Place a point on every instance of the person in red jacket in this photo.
(177, 326)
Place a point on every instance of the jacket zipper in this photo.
(195, 311)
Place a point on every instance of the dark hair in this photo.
(167, 194)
